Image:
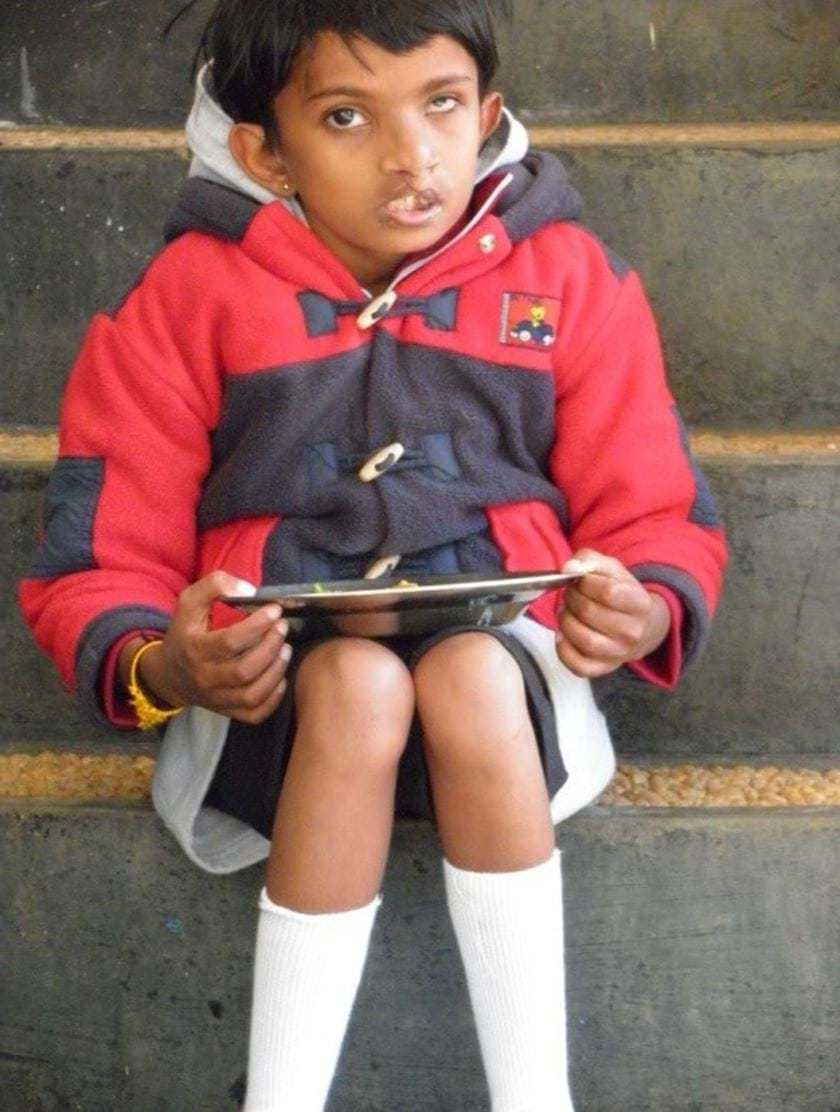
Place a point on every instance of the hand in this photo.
(608, 617)
(239, 671)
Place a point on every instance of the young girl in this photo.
(378, 338)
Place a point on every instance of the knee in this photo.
(470, 695)
(358, 692)
(468, 666)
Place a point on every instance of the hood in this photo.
(526, 190)
(208, 127)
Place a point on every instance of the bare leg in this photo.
(487, 781)
(330, 842)
(333, 826)
(501, 869)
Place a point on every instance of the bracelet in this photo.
(148, 714)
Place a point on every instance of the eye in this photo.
(445, 103)
(342, 119)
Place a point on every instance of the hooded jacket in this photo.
(220, 416)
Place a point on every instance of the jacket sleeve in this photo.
(118, 536)
(622, 460)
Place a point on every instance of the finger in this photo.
(586, 561)
(234, 640)
(245, 669)
(588, 642)
(595, 597)
(255, 716)
(255, 694)
(217, 679)
(611, 591)
(579, 664)
(615, 624)
(195, 601)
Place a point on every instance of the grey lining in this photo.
(205, 206)
(528, 204)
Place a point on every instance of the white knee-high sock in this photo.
(509, 928)
(307, 969)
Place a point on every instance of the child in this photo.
(367, 257)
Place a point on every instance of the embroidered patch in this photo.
(529, 321)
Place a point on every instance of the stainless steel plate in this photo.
(404, 604)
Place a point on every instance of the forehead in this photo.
(330, 62)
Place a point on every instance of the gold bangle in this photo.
(148, 715)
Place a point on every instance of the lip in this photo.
(412, 218)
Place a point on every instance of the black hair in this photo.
(254, 44)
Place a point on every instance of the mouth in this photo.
(413, 209)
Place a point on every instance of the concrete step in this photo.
(105, 63)
(768, 682)
(736, 244)
(700, 952)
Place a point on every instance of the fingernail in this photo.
(282, 627)
(286, 652)
(578, 567)
(273, 613)
(243, 587)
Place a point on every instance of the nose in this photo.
(408, 149)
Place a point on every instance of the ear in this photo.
(255, 157)
(491, 113)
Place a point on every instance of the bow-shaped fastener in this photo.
(439, 310)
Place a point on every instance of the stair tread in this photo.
(543, 133)
(80, 775)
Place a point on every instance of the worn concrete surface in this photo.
(769, 678)
(88, 228)
(106, 63)
(768, 681)
(701, 956)
(738, 250)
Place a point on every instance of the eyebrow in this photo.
(353, 91)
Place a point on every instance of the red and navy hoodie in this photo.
(219, 418)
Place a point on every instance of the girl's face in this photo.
(381, 149)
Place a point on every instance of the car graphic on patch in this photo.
(535, 318)
(527, 331)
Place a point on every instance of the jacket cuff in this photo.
(663, 667)
(695, 626)
(116, 709)
(95, 655)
